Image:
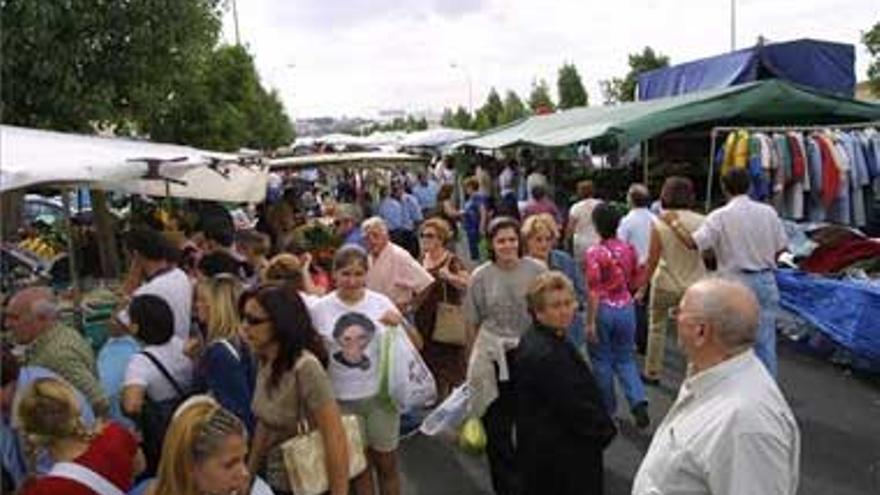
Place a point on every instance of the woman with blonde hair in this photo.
(205, 452)
(86, 460)
(541, 234)
(287, 268)
(225, 368)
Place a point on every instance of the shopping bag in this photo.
(450, 414)
(406, 382)
(472, 438)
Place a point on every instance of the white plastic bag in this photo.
(406, 379)
(450, 414)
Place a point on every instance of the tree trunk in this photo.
(108, 253)
(10, 213)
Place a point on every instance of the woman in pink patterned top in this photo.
(612, 275)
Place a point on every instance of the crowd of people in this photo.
(238, 338)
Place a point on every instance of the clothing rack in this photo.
(779, 128)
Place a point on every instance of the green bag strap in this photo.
(385, 368)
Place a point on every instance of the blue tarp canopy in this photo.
(822, 65)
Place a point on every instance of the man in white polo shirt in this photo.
(730, 431)
(747, 238)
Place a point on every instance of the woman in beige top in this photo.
(674, 268)
(291, 382)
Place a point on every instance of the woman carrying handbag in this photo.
(439, 318)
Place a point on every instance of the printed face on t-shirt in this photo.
(353, 334)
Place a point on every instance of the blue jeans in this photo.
(763, 285)
(614, 354)
(473, 238)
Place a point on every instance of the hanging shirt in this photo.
(729, 148)
(840, 209)
(814, 164)
(760, 188)
(830, 171)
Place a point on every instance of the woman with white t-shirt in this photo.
(350, 319)
(161, 371)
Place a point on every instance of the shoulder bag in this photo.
(304, 457)
(449, 324)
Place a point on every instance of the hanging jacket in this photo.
(830, 171)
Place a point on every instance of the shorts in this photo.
(380, 422)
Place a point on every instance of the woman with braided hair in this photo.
(98, 461)
(205, 453)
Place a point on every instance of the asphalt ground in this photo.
(838, 413)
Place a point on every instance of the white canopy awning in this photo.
(31, 157)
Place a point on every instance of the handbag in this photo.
(449, 325)
(305, 460)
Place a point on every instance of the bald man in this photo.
(730, 432)
(32, 315)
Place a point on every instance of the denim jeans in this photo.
(763, 285)
(614, 354)
(473, 239)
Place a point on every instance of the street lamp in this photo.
(732, 25)
(467, 74)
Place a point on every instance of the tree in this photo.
(78, 66)
(571, 89)
(871, 39)
(447, 118)
(539, 99)
(618, 90)
(514, 109)
(491, 110)
(462, 119)
(223, 106)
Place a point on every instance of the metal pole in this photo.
(732, 25)
(470, 92)
(71, 260)
(711, 176)
(235, 19)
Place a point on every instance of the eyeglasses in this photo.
(252, 320)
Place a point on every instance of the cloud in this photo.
(359, 56)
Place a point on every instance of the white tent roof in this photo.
(30, 157)
(433, 138)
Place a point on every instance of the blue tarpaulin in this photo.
(845, 311)
(822, 65)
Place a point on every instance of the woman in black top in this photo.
(562, 427)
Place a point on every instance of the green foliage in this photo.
(461, 119)
(77, 66)
(408, 124)
(871, 39)
(539, 99)
(493, 108)
(223, 106)
(618, 90)
(514, 108)
(571, 88)
(447, 119)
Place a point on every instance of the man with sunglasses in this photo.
(730, 431)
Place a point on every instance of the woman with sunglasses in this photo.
(447, 362)
(225, 367)
(291, 379)
(339, 317)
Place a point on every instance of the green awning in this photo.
(770, 102)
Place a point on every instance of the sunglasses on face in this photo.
(428, 235)
(254, 320)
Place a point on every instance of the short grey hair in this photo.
(732, 310)
(375, 223)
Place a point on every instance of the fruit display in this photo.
(41, 246)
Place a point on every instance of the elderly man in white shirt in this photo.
(730, 431)
(635, 228)
(746, 237)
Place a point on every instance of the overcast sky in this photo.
(357, 57)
